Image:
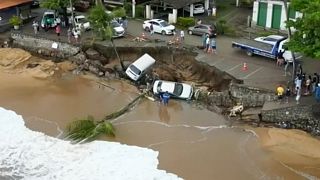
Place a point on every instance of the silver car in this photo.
(203, 29)
(118, 30)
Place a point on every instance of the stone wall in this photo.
(251, 96)
(299, 117)
(44, 46)
(239, 93)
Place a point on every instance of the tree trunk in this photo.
(98, 2)
(65, 16)
(285, 2)
(115, 50)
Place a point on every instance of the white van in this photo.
(139, 67)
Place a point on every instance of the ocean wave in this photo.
(27, 154)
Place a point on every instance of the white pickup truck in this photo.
(268, 46)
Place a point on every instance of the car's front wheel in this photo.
(190, 32)
(147, 29)
(163, 32)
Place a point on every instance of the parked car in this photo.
(118, 30)
(159, 26)
(82, 23)
(49, 19)
(82, 6)
(201, 29)
(35, 4)
(197, 8)
(139, 67)
(175, 89)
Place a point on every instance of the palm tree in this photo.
(87, 129)
(101, 23)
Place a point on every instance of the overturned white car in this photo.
(175, 89)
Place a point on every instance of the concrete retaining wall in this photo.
(44, 46)
(303, 117)
(239, 93)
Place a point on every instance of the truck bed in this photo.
(254, 44)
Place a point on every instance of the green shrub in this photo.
(140, 11)
(15, 20)
(185, 21)
(221, 7)
(221, 26)
(119, 12)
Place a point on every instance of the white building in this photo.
(271, 14)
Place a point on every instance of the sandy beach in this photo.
(293, 148)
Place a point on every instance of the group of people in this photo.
(304, 85)
(72, 33)
(209, 44)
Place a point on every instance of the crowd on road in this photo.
(303, 85)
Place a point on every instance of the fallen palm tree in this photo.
(85, 130)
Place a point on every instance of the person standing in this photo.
(207, 44)
(288, 94)
(165, 98)
(181, 36)
(151, 30)
(125, 24)
(280, 59)
(317, 93)
(199, 22)
(35, 26)
(308, 85)
(298, 96)
(298, 82)
(280, 92)
(299, 70)
(58, 30)
(213, 45)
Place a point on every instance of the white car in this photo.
(118, 30)
(197, 8)
(49, 19)
(271, 39)
(175, 89)
(81, 23)
(159, 26)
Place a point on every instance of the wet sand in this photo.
(193, 142)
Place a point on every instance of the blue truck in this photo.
(268, 46)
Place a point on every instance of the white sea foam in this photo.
(30, 155)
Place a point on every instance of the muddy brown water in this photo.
(194, 143)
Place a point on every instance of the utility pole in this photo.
(285, 2)
(72, 18)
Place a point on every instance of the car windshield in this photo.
(135, 69)
(82, 20)
(49, 16)
(159, 87)
(178, 88)
(164, 24)
(115, 24)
